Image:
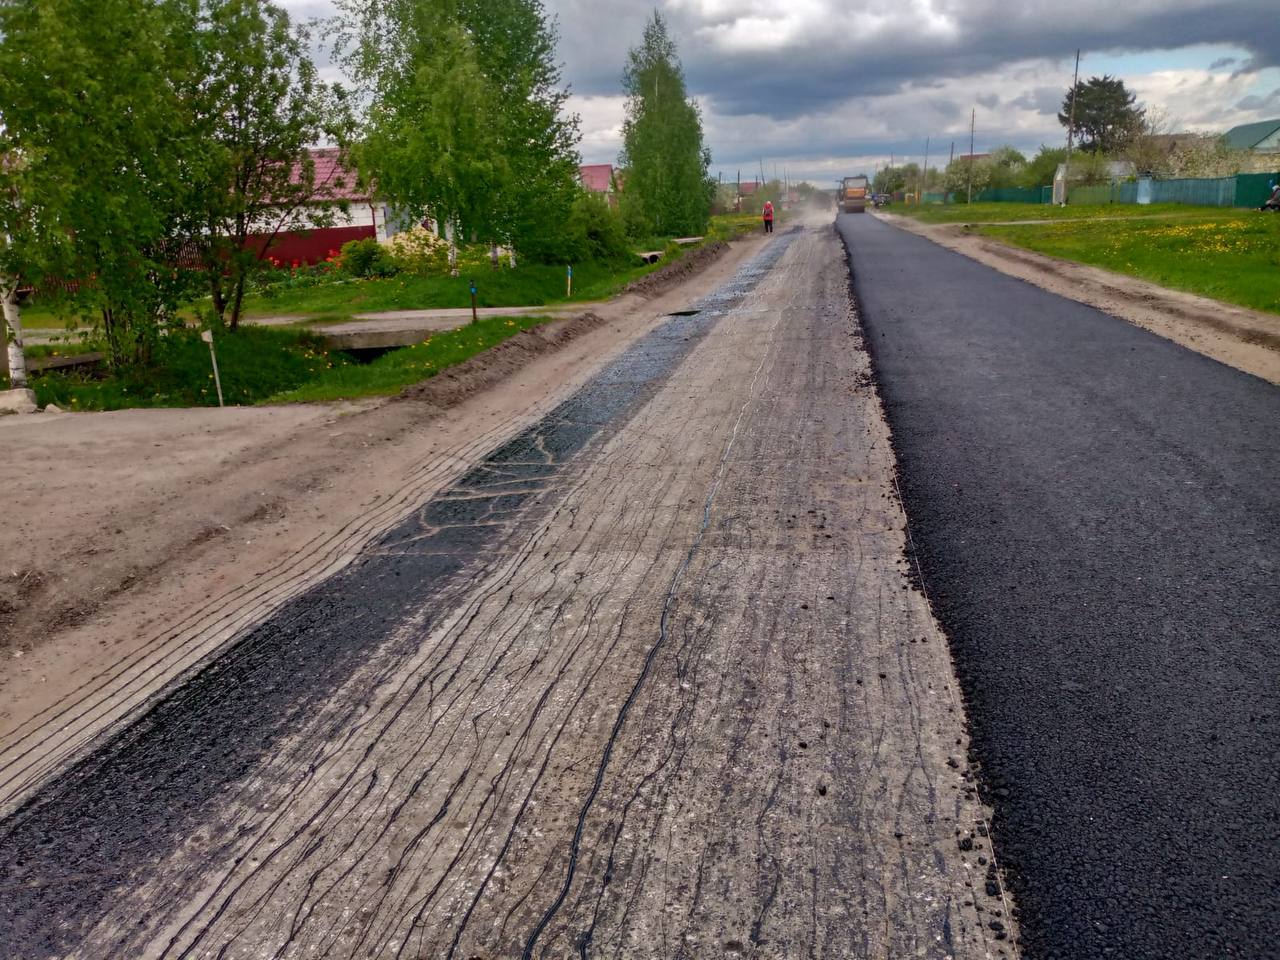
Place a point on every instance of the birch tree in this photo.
(14, 220)
(90, 100)
(465, 122)
(260, 104)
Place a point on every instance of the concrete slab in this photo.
(18, 401)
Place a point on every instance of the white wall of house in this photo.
(319, 217)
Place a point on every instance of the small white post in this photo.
(207, 337)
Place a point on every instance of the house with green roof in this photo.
(1262, 137)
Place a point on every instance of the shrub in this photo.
(592, 232)
(367, 258)
(419, 251)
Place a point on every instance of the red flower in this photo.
(297, 263)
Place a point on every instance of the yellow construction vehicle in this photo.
(853, 195)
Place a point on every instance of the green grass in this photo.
(393, 371)
(1001, 212)
(255, 363)
(270, 365)
(282, 364)
(1230, 255)
(66, 348)
(530, 285)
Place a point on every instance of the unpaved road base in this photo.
(684, 703)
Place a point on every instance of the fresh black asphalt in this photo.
(1096, 512)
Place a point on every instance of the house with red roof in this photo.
(601, 178)
(312, 232)
(597, 177)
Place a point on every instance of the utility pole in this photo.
(924, 177)
(1071, 130)
(973, 118)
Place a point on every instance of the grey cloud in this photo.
(1222, 62)
(1270, 101)
(1046, 101)
(988, 100)
(815, 72)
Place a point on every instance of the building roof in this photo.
(1169, 142)
(335, 176)
(1249, 135)
(748, 187)
(597, 177)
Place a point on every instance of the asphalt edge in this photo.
(1000, 874)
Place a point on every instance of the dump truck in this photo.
(853, 195)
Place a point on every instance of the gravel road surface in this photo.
(649, 680)
(1097, 514)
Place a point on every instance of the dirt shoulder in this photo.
(1248, 340)
(138, 541)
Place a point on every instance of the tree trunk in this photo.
(451, 232)
(13, 322)
(111, 333)
(512, 252)
(493, 255)
(237, 300)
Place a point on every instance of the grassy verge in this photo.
(281, 364)
(255, 363)
(266, 365)
(394, 371)
(68, 348)
(531, 285)
(1229, 255)
(1003, 212)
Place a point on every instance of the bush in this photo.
(419, 251)
(367, 258)
(597, 229)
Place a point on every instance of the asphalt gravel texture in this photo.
(105, 823)
(1096, 515)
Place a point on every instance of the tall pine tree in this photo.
(666, 187)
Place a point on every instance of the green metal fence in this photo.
(1011, 195)
(1204, 192)
(1252, 189)
(1244, 190)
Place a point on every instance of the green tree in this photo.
(1043, 167)
(516, 49)
(260, 105)
(91, 105)
(465, 123)
(667, 190)
(1106, 114)
(1007, 164)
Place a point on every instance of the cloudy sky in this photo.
(825, 88)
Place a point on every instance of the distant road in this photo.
(1097, 513)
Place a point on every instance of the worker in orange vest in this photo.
(768, 216)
